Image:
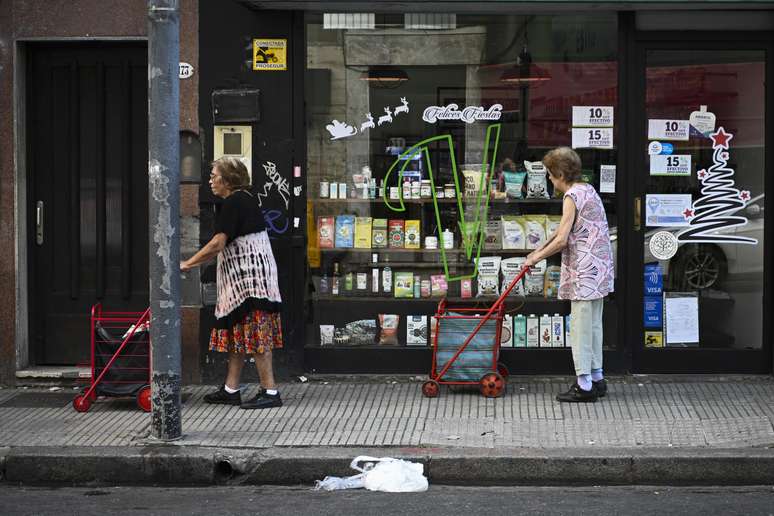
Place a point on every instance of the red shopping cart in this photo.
(120, 358)
(466, 346)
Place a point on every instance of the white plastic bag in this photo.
(379, 474)
(392, 475)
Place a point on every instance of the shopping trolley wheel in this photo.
(144, 398)
(503, 370)
(492, 385)
(81, 403)
(431, 389)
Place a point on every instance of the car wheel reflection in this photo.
(698, 267)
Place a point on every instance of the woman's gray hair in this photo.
(564, 163)
(233, 172)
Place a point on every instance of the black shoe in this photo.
(263, 400)
(222, 397)
(577, 395)
(601, 387)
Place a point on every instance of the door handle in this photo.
(39, 223)
(637, 213)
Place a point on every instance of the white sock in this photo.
(596, 375)
(584, 382)
(230, 390)
(272, 392)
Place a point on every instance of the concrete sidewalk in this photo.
(645, 431)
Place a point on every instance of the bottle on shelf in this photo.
(447, 237)
(324, 284)
(387, 280)
(406, 189)
(336, 280)
(349, 282)
(374, 274)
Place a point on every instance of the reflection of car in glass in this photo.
(705, 266)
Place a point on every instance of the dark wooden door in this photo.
(88, 205)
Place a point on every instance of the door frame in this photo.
(682, 360)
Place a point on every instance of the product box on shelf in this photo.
(493, 237)
(535, 229)
(551, 285)
(363, 232)
(326, 334)
(438, 285)
(345, 231)
(416, 330)
(396, 231)
(533, 331)
(379, 233)
(466, 288)
(545, 331)
(404, 284)
(567, 342)
(325, 230)
(506, 334)
(519, 331)
(514, 236)
(557, 331)
(412, 234)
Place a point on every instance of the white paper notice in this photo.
(682, 319)
(592, 116)
(607, 178)
(592, 138)
(667, 210)
(668, 130)
(676, 165)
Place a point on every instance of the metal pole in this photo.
(164, 216)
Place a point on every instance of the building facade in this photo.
(396, 157)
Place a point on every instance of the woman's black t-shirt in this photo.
(239, 215)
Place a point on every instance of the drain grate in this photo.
(39, 400)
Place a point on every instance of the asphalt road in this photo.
(439, 500)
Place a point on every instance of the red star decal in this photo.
(701, 174)
(744, 195)
(721, 138)
(688, 213)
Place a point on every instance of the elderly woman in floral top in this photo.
(587, 269)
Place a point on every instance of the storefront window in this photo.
(704, 200)
(424, 149)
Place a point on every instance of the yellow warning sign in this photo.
(654, 339)
(270, 54)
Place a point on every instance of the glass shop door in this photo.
(700, 147)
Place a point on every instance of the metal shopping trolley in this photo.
(466, 347)
(120, 358)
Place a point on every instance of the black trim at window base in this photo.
(700, 361)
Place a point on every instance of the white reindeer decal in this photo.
(385, 118)
(404, 108)
(369, 124)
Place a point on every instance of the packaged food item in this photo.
(537, 183)
(379, 233)
(412, 235)
(466, 288)
(417, 286)
(404, 284)
(334, 190)
(325, 229)
(345, 231)
(514, 184)
(552, 224)
(361, 333)
(535, 230)
(396, 233)
(433, 329)
(514, 236)
(363, 232)
(438, 285)
(551, 286)
(545, 331)
(473, 175)
(493, 236)
(388, 336)
(511, 267)
(519, 331)
(424, 288)
(506, 333)
(488, 276)
(326, 334)
(416, 330)
(533, 331)
(361, 282)
(535, 279)
(557, 331)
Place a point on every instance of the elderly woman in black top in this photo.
(248, 302)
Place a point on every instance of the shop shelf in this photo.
(424, 251)
(440, 201)
(434, 300)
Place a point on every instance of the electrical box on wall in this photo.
(237, 105)
(234, 141)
